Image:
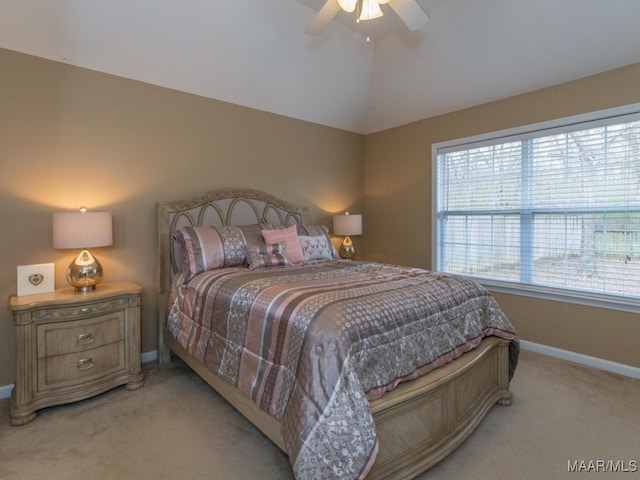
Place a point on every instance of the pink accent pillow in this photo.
(288, 236)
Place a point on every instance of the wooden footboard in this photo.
(420, 422)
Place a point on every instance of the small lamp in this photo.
(347, 225)
(83, 230)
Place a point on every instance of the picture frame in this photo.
(34, 279)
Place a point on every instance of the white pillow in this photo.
(315, 248)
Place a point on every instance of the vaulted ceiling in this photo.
(255, 52)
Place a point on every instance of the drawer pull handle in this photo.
(85, 339)
(85, 364)
(85, 310)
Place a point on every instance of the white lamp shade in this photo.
(82, 230)
(347, 224)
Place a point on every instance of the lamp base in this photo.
(347, 250)
(84, 273)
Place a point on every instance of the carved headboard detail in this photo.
(228, 206)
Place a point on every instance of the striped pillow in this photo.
(271, 255)
(206, 248)
(201, 249)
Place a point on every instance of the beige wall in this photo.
(72, 137)
(61, 125)
(398, 205)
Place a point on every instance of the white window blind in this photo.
(557, 207)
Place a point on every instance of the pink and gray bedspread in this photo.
(312, 344)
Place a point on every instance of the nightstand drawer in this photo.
(77, 368)
(79, 335)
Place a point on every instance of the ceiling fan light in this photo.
(370, 10)
(348, 5)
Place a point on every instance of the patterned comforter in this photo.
(312, 344)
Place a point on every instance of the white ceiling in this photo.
(255, 53)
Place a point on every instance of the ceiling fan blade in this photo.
(410, 13)
(322, 19)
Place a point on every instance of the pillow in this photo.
(201, 249)
(266, 256)
(234, 241)
(252, 235)
(315, 248)
(316, 230)
(206, 248)
(288, 236)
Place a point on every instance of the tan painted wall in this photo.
(60, 125)
(397, 224)
(72, 137)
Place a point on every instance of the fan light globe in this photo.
(409, 11)
(348, 5)
(370, 10)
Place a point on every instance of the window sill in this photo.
(612, 302)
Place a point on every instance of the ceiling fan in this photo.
(409, 12)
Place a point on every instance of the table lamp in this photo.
(347, 225)
(83, 230)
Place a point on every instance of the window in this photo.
(553, 210)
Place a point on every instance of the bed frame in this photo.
(418, 424)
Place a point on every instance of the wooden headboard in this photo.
(227, 206)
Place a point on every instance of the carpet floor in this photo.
(564, 417)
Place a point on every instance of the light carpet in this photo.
(563, 417)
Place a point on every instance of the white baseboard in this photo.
(147, 357)
(619, 368)
(607, 365)
(5, 390)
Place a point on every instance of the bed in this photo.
(312, 352)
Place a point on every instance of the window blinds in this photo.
(557, 207)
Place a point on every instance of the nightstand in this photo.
(71, 346)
